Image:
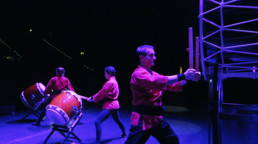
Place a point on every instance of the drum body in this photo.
(33, 96)
(64, 107)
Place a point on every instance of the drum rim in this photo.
(38, 85)
(65, 116)
(24, 100)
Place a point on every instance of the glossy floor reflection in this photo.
(191, 128)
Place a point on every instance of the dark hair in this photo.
(60, 71)
(110, 70)
(141, 50)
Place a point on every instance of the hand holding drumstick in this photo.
(192, 74)
(197, 73)
(197, 76)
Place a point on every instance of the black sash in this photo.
(149, 110)
(108, 99)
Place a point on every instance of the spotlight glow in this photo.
(82, 53)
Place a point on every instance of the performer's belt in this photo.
(149, 110)
(107, 99)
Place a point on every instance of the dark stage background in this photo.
(38, 36)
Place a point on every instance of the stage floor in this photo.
(191, 128)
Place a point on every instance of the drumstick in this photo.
(197, 53)
(83, 97)
(190, 32)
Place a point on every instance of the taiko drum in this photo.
(33, 96)
(64, 107)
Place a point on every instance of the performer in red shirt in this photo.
(109, 94)
(147, 87)
(54, 87)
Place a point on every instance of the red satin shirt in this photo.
(147, 87)
(58, 83)
(109, 93)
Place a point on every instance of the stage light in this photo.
(9, 57)
(82, 53)
(9, 47)
(51, 45)
(88, 68)
(30, 30)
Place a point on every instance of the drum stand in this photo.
(66, 130)
(34, 112)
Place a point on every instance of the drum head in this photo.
(57, 115)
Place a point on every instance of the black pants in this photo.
(162, 132)
(43, 112)
(102, 116)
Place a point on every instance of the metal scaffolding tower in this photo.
(229, 49)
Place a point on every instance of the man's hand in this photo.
(197, 76)
(190, 74)
(88, 99)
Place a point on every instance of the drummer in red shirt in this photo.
(147, 87)
(54, 87)
(109, 94)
